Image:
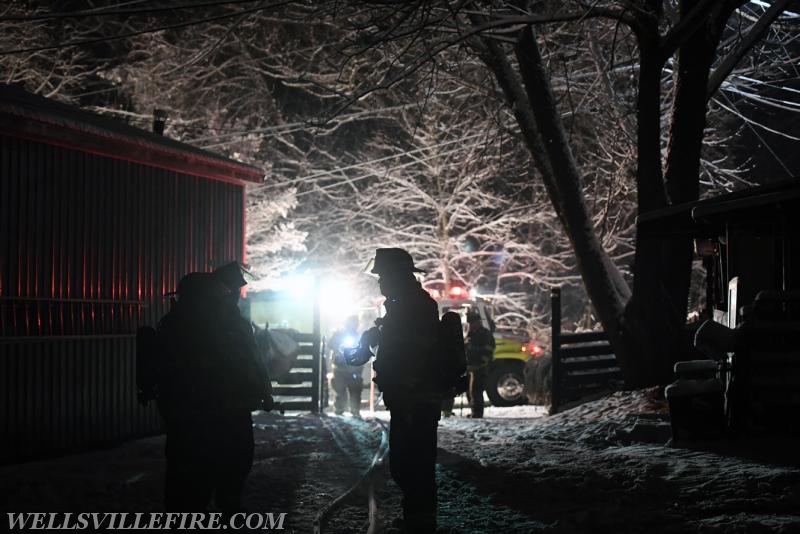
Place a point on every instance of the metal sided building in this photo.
(98, 220)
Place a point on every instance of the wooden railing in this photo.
(583, 363)
(300, 389)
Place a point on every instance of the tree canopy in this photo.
(509, 145)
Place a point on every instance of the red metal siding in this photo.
(88, 246)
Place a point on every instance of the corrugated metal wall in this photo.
(88, 247)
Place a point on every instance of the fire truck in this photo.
(304, 385)
(505, 382)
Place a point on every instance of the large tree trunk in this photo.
(535, 109)
(662, 267)
(647, 327)
(682, 172)
(604, 283)
(650, 323)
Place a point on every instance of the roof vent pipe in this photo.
(159, 120)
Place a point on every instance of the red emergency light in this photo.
(458, 292)
(454, 293)
(533, 349)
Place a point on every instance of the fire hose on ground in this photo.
(366, 482)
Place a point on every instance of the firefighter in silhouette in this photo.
(407, 374)
(347, 380)
(210, 379)
(448, 402)
(480, 352)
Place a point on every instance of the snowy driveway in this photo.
(579, 471)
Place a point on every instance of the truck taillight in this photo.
(533, 349)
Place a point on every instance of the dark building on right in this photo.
(749, 243)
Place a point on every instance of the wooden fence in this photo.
(301, 388)
(583, 363)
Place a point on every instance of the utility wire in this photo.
(771, 84)
(141, 32)
(291, 127)
(384, 172)
(100, 12)
(351, 180)
(285, 128)
(268, 131)
(332, 174)
(750, 124)
(750, 121)
(787, 105)
(279, 128)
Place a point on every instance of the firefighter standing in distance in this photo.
(347, 379)
(480, 352)
(407, 374)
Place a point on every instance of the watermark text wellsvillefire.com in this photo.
(144, 521)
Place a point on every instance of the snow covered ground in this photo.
(601, 467)
(604, 467)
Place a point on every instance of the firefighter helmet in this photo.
(392, 260)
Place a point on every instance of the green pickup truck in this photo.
(505, 383)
